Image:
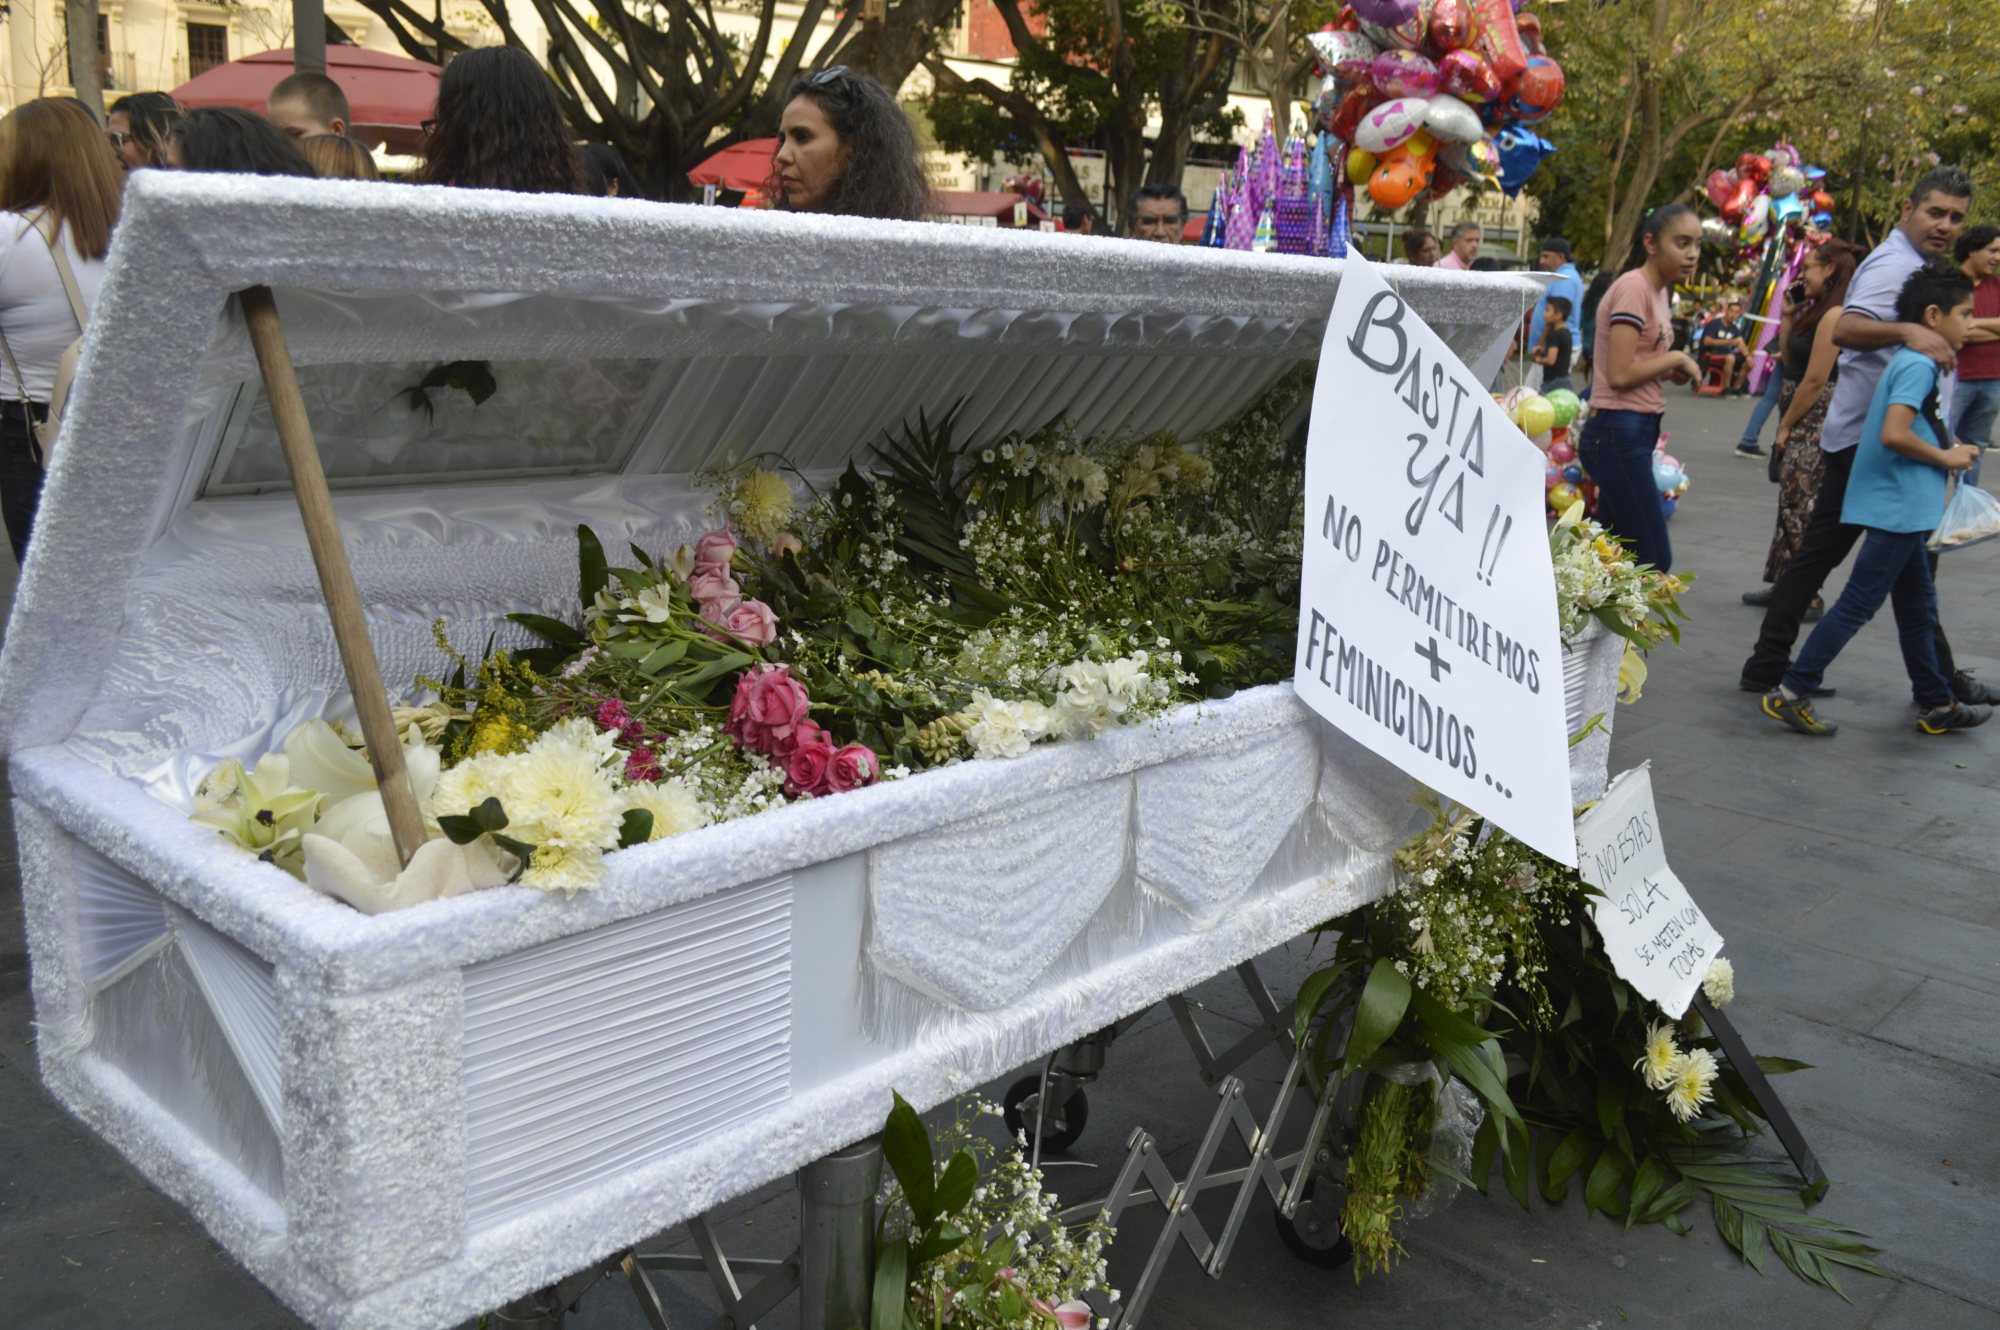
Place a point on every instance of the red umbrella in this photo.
(745, 166)
(390, 96)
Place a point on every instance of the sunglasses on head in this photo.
(831, 74)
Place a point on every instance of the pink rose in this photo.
(712, 583)
(749, 621)
(786, 543)
(768, 705)
(715, 549)
(805, 732)
(806, 768)
(852, 767)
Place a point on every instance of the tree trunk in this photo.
(86, 68)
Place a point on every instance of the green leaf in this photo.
(906, 1144)
(727, 663)
(1752, 1244)
(1484, 1142)
(490, 815)
(645, 559)
(1383, 1002)
(553, 631)
(1312, 991)
(669, 653)
(1607, 1176)
(1647, 1183)
(1612, 1097)
(892, 1286)
(1771, 1066)
(956, 1183)
(459, 829)
(946, 1237)
(636, 828)
(1564, 1161)
(592, 572)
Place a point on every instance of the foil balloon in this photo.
(1398, 179)
(1346, 119)
(1404, 74)
(1499, 39)
(1668, 503)
(1786, 180)
(1385, 13)
(1785, 155)
(1521, 151)
(1466, 74)
(1822, 201)
(1530, 29)
(1562, 496)
(1536, 91)
(1757, 220)
(1360, 165)
(1721, 187)
(1389, 125)
(1408, 35)
(1666, 476)
(1738, 206)
(1452, 121)
(1718, 233)
(1753, 166)
(1343, 55)
(1822, 220)
(1814, 174)
(1785, 209)
(1573, 473)
(1452, 24)
(1479, 160)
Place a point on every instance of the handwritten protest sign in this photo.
(1427, 607)
(1656, 936)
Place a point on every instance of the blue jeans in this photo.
(1617, 451)
(1973, 408)
(1892, 566)
(1766, 403)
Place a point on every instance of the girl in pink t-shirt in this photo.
(1631, 364)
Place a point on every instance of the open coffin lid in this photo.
(504, 1113)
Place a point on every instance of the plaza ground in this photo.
(1852, 878)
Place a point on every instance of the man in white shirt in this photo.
(1868, 335)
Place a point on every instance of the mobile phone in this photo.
(1797, 292)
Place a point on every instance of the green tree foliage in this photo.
(1096, 75)
(1660, 92)
(669, 83)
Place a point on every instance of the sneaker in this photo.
(1758, 598)
(1957, 716)
(1751, 451)
(1801, 717)
(1814, 612)
(1749, 685)
(1968, 689)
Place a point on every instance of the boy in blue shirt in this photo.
(1896, 492)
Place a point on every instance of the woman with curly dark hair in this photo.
(139, 126)
(498, 126)
(845, 147)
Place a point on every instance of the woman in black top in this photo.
(1811, 364)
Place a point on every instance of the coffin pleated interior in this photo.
(413, 1117)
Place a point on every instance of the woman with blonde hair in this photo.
(338, 157)
(59, 184)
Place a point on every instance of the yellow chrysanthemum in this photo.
(1657, 1066)
(761, 505)
(1691, 1083)
(564, 868)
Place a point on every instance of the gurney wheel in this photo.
(1313, 1234)
(1061, 1126)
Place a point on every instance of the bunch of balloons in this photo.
(1766, 190)
(1429, 94)
(1669, 475)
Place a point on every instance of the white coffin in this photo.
(405, 1119)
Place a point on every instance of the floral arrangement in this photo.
(969, 1239)
(1597, 578)
(1484, 959)
(954, 603)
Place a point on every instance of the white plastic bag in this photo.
(1970, 516)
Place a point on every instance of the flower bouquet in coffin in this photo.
(951, 603)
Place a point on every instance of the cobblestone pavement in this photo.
(1853, 879)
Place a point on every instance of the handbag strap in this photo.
(58, 252)
(14, 365)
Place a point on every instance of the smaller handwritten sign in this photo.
(1658, 939)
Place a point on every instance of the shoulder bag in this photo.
(45, 430)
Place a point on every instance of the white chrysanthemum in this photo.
(565, 868)
(1657, 1066)
(582, 735)
(470, 784)
(1079, 479)
(672, 802)
(1692, 1082)
(562, 796)
(761, 504)
(1719, 985)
